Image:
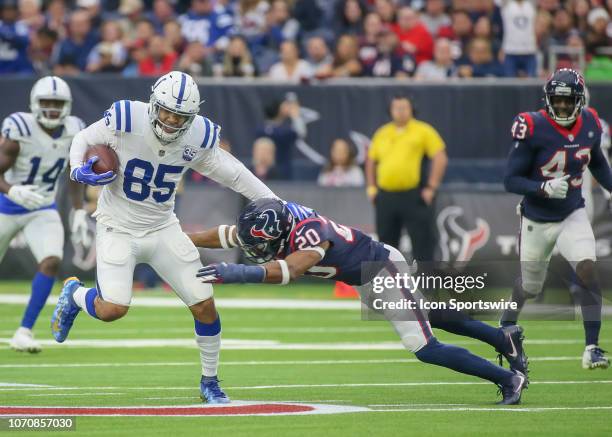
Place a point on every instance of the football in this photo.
(107, 158)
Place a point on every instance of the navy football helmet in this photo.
(564, 95)
(263, 229)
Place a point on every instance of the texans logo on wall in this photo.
(459, 240)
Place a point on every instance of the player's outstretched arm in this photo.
(274, 272)
(600, 168)
(223, 168)
(220, 237)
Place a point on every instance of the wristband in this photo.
(286, 276)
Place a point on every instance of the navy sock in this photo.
(459, 323)
(41, 288)
(510, 317)
(463, 361)
(590, 305)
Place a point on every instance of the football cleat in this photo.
(66, 310)
(512, 391)
(513, 349)
(211, 393)
(23, 341)
(594, 358)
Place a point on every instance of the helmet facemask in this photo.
(51, 112)
(167, 133)
(564, 114)
(262, 252)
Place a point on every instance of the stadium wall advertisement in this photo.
(475, 227)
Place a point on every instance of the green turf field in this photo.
(299, 355)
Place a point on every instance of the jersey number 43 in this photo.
(556, 167)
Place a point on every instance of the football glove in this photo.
(231, 273)
(79, 228)
(556, 188)
(86, 175)
(26, 196)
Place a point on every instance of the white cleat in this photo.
(23, 341)
(594, 358)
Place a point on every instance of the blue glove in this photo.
(85, 174)
(231, 273)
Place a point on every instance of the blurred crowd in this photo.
(305, 40)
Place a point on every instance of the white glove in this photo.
(79, 228)
(26, 196)
(556, 188)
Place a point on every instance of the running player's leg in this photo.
(10, 225)
(415, 332)
(177, 261)
(577, 245)
(44, 234)
(116, 256)
(536, 244)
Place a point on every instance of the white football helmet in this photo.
(50, 88)
(176, 92)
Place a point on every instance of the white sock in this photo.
(79, 297)
(209, 353)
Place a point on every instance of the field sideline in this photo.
(300, 357)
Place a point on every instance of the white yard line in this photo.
(502, 409)
(172, 302)
(242, 363)
(285, 304)
(77, 394)
(279, 386)
(241, 344)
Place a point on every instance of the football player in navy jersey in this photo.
(551, 150)
(289, 240)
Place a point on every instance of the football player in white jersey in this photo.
(156, 143)
(34, 148)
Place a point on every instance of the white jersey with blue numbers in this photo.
(141, 199)
(42, 158)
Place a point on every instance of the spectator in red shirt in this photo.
(414, 37)
(159, 60)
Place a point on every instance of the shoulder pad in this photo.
(522, 126)
(74, 124)
(208, 132)
(17, 126)
(595, 116)
(308, 233)
(119, 117)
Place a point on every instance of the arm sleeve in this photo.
(517, 168)
(600, 169)
(97, 133)
(225, 169)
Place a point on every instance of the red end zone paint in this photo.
(159, 411)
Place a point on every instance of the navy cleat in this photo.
(513, 350)
(66, 310)
(594, 358)
(211, 393)
(512, 391)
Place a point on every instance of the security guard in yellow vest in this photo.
(393, 174)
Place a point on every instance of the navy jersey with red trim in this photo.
(348, 251)
(543, 150)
